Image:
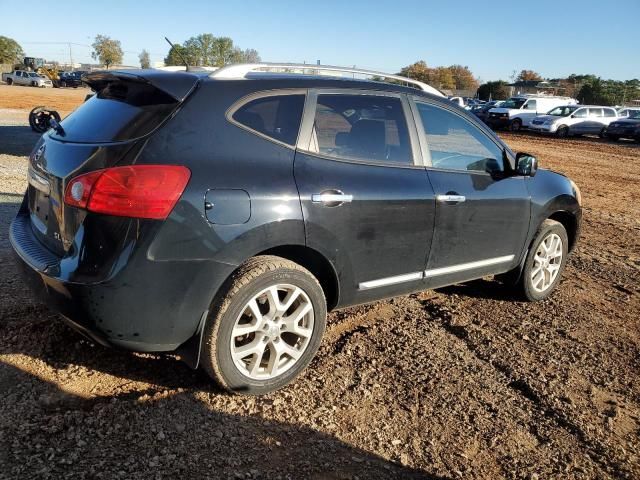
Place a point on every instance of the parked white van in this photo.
(575, 120)
(519, 111)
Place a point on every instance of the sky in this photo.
(492, 38)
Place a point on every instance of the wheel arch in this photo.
(570, 224)
(316, 263)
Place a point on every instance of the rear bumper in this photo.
(147, 306)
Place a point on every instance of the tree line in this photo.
(454, 77)
(205, 50)
(587, 89)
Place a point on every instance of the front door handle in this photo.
(331, 198)
(450, 198)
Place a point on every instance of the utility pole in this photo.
(70, 57)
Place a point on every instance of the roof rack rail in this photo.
(241, 70)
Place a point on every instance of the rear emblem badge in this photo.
(38, 154)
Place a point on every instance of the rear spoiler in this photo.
(176, 84)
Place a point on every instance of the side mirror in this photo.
(526, 164)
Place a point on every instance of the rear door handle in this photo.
(332, 198)
(450, 198)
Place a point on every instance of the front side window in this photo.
(361, 127)
(456, 144)
(580, 113)
(276, 116)
(562, 111)
(514, 103)
(531, 105)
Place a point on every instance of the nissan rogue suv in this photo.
(221, 215)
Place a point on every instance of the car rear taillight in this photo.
(139, 191)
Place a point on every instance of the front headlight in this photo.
(576, 192)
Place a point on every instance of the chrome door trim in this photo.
(434, 272)
(383, 282)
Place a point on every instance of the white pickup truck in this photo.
(22, 77)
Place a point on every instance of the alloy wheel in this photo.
(272, 332)
(546, 263)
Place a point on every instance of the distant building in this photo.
(535, 87)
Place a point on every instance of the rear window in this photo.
(276, 116)
(120, 111)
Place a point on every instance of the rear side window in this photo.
(120, 111)
(276, 116)
(609, 112)
(361, 127)
(595, 112)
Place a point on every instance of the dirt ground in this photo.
(64, 100)
(463, 382)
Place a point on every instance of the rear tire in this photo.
(9, 81)
(545, 262)
(603, 132)
(265, 326)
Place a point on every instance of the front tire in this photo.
(265, 326)
(515, 125)
(545, 261)
(563, 131)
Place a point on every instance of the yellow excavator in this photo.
(37, 65)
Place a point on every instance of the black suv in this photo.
(221, 215)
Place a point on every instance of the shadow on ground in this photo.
(483, 288)
(50, 433)
(17, 140)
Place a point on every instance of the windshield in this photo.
(635, 115)
(513, 103)
(562, 111)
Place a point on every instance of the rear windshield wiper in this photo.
(53, 123)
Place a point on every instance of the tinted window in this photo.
(455, 143)
(609, 112)
(120, 111)
(277, 117)
(364, 127)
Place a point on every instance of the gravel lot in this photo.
(463, 382)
